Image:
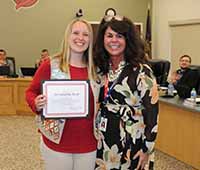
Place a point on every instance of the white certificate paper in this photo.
(66, 98)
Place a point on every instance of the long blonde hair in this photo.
(65, 55)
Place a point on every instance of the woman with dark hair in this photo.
(128, 30)
(128, 115)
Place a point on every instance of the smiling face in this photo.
(44, 55)
(2, 57)
(79, 38)
(184, 62)
(114, 43)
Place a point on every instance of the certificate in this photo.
(66, 98)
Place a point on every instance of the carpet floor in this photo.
(19, 147)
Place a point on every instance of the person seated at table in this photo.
(3, 61)
(185, 78)
(44, 56)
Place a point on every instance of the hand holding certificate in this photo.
(66, 98)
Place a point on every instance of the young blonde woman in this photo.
(73, 146)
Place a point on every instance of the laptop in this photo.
(28, 71)
(4, 70)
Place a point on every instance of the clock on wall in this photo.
(110, 12)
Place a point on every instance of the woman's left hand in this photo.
(143, 159)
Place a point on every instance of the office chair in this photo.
(197, 68)
(11, 63)
(160, 69)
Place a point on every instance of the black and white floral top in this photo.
(128, 120)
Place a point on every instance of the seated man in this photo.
(8, 61)
(185, 78)
(4, 62)
(44, 56)
(2, 57)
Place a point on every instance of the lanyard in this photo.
(107, 90)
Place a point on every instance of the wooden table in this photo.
(12, 91)
(179, 131)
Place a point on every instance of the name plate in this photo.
(66, 98)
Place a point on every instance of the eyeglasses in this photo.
(185, 60)
(108, 18)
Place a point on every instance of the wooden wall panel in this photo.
(13, 96)
(178, 134)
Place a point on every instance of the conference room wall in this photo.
(165, 13)
(185, 39)
(24, 32)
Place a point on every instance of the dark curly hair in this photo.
(134, 50)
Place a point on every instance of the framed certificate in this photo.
(66, 98)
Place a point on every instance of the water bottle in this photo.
(170, 90)
(193, 95)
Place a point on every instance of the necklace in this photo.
(112, 75)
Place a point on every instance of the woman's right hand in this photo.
(40, 101)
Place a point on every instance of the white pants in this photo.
(66, 161)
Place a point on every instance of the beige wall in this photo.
(185, 39)
(165, 12)
(26, 31)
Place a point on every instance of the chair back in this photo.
(197, 67)
(160, 69)
(11, 63)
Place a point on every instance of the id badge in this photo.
(103, 124)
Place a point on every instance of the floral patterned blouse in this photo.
(128, 120)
